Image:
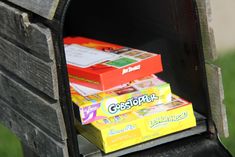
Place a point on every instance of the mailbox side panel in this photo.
(213, 73)
(29, 99)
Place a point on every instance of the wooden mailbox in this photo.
(35, 101)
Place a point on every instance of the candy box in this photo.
(139, 126)
(91, 105)
(102, 65)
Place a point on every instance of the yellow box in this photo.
(140, 93)
(138, 126)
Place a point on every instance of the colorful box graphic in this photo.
(94, 104)
(102, 65)
(139, 126)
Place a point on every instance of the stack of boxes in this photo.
(118, 100)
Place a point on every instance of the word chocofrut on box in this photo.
(94, 104)
(139, 126)
(102, 65)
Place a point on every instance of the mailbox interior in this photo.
(170, 27)
(166, 26)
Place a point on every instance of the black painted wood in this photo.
(16, 26)
(41, 75)
(44, 8)
(27, 152)
(36, 139)
(42, 112)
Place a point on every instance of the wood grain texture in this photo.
(216, 95)
(15, 25)
(27, 152)
(214, 78)
(47, 115)
(44, 8)
(39, 74)
(30, 134)
(208, 40)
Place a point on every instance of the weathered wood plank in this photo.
(31, 135)
(44, 8)
(15, 25)
(27, 151)
(214, 77)
(32, 70)
(47, 115)
(208, 41)
(216, 95)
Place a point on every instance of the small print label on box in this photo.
(84, 57)
(121, 62)
(144, 56)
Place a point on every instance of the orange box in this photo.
(102, 65)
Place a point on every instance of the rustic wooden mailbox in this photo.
(35, 100)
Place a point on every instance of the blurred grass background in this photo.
(10, 146)
(227, 63)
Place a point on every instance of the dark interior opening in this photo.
(166, 26)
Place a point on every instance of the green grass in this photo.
(227, 63)
(9, 144)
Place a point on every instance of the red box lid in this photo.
(103, 65)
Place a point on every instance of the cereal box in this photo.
(139, 126)
(94, 104)
(102, 65)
